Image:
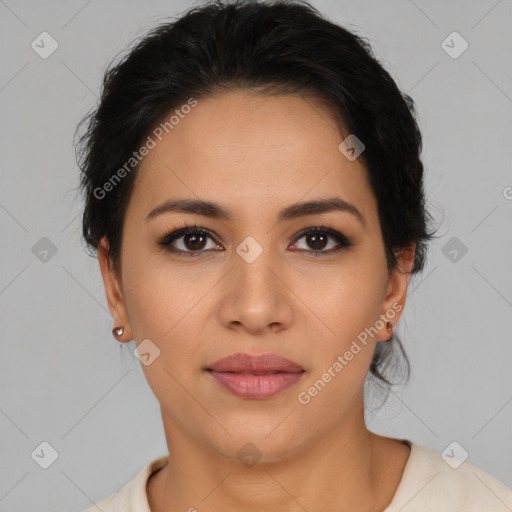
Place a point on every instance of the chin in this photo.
(255, 445)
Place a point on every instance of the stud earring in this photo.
(118, 331)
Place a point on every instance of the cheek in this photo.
(165, 304)
(342, 299)
(342, 355)
(161, 309)
(160, 295)
(346, 303)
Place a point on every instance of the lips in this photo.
(267, 363)
(255, 376)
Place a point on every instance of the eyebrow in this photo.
(293, 211)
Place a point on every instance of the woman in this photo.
(254, 192)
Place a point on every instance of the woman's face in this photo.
(256, 284)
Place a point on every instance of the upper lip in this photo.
(268, 362)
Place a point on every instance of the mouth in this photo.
(256, 377)
(256, 373)
(256, 385)
(255, 364)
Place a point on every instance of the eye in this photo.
(317, 237)
(190, 241)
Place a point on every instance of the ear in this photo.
(113, 291)
(396, 291)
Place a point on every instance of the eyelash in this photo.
(166, 241)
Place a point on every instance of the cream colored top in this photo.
(428, 484)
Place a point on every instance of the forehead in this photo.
(254, 154)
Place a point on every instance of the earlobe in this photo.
(390, 326)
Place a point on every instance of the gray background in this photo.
(62, 377)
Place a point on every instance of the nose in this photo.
(257, 297)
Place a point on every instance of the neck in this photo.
(347, 469)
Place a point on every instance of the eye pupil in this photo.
(316, 236)
(194, 237)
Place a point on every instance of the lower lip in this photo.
(256, 386)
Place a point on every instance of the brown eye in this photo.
(194, 241)
(189, 241)
(317, 239)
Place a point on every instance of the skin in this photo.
(256, 154)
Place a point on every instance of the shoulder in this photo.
(132, 496)
(432, 481)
